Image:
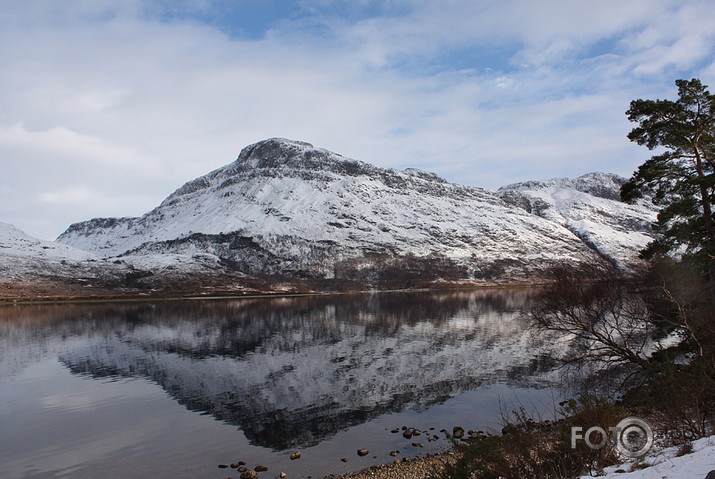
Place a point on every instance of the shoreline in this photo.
(661, 461)
(420, 467)
(131, 297)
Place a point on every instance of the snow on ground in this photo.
(665, 464)
(286, 207)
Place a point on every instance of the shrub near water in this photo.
(530, 449)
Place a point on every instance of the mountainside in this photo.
(287, 208)
(589, 206)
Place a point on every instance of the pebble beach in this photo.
(418, 468)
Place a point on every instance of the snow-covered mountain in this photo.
(589, 206)
(286, 211)
(287, 208)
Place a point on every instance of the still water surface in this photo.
(174, 389)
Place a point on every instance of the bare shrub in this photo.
(527, 448)
(650, 336)
(602, 319)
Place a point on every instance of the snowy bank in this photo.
(665, 464)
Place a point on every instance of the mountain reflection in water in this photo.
(290, 372)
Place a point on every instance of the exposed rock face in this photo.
(287, 208)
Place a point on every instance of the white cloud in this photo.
(679, 37)
(108, 108)
(71, 195)
(63, 141)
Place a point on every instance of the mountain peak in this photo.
(281, 158)
(276, 144)
(275, 152)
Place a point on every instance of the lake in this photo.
(173, 389)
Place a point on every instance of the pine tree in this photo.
(682, 179)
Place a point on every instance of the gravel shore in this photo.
(418, 468)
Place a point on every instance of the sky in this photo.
(108, 106)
